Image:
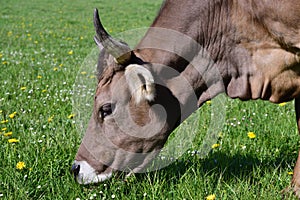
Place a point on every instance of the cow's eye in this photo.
(105, 110)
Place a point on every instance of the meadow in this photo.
(42, 47)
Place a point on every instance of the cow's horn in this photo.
(120, 50)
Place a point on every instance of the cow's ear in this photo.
(140, 82)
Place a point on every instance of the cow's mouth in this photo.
(84, 173)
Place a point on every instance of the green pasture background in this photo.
(42, 46)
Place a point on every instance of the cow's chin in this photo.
(88, 175)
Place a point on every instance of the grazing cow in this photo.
(194, 50)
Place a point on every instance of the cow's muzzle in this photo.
(86, 174)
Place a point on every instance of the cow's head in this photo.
(132, 117)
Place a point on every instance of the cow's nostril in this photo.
(75, 169)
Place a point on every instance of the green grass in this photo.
(42, 47)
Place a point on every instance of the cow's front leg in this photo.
(296, 175)
(296, 178)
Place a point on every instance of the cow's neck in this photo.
(189, 39)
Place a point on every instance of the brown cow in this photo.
(194, 50)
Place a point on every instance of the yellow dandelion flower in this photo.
(23, 88)
(28, 34)
(55, 69)
(12, 115)
(211, 197)
(1, 111)
(4, 129)
(7, 134)
(36, 42)
(220, 134)
(208, 102)
(13, 140)
(4, 62)
(39, 76)
(60, 65)
(44, 91)
(93, 76)
(20, 165)
(1, 55)
(282, 104)
(9, 33)
(4, 121)
(81, 37)
(215, 146)
(290, 173)
(50, 119)
(83, 73)
(251, 135)
(70, 52)
(71, 116)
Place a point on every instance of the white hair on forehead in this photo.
(141, 83)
